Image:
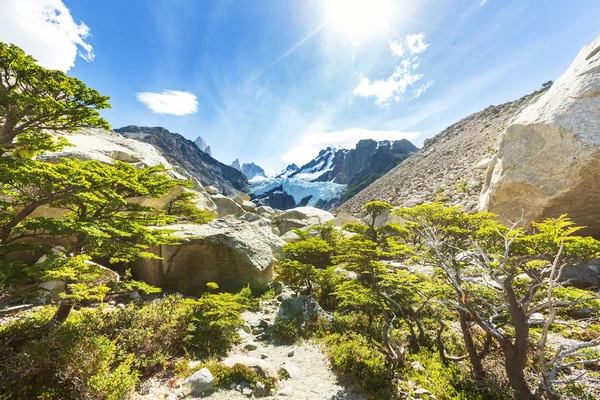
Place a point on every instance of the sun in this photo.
(358, 17)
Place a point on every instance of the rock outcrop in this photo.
(201, 144)
(230, 252)
(301, 217)
(183, 153)
(548, 162)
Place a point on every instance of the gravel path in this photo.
(311, 377)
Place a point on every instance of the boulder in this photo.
(301, 217)
(240, 198)
(265, 210)
(199, 382)
(226, 206)
(230, 252)
(548, 162)
(248, 206)
(583, 277)
(211, 190)
(290, 237)
(302, 310)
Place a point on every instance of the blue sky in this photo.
(272, 81)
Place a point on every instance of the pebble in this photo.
(250, 346)
(291, 353)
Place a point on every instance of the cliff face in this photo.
(184, 154)
(450, 167)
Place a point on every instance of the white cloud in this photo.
(404, 75)
(46, 30)
(312, 143)
(172, 102)
(397, 48)
(416, 43)
(422, 89)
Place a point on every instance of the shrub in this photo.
(286, 330)
(353, 354)
(225, 376)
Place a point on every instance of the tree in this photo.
(35, 100)
(363, 253)
(547, 85)
(521, 272)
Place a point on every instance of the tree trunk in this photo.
(61, 315)
(515, 366)
(474, 358)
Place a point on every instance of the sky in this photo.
(275, 81)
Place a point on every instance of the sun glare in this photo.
(358, 17)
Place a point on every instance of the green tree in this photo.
(521, 272)
(35, 101)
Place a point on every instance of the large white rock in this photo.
(109, 147)
(232, 253)
(548, 162)
(301, 217)
(199, 382)
(227, 206)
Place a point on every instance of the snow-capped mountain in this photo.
(289, 170)
(201, 144)
(332, 177)
(251, 170)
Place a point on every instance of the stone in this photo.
(483, 164)
(248, 206)
(232, 253)
(263, 323)
(240, 198)
(301, 217)
(246, 328)
(250, 346)
(548, 162)
(198, 383)
(262, 337)
(417, 366)
(302, 310)
(134, 295)
(263, 356)
(257, 331)
(583, 276)
(290, 237)
(121, 306)
(536, 319)
(291, 354)
(290, 368)
(260, 390)
(226, 206)
(265, 210)
(211, 190)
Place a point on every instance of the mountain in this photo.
(236, 164)
(252, 171)
(185, 154)
(336, 174)
(450, 167)
(202, 145)
(290, 169)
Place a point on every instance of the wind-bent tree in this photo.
(502, 276)
(35, 100)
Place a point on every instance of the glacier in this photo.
(299, 189)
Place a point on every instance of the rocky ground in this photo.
(311, 377)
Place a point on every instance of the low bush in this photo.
(226, 376)
(286, 331)
(353, 354)
(99, 353)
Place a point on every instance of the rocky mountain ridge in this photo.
(335, 175)
(251, 170)
(185, 154)
(202, 145)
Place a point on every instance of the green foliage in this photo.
(286, 331)
(445, 382)
(313, 251)
(99, 353)
(353, 354)
(215, 325)
(34, 100)
(226, 376)
(183, 206)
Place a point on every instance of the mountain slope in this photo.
(185, 154)
(449, 168)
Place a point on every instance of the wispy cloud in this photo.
(422, 89)
(46, 30)
(312, 143)
(416, 43)
(404, 75)
(172, 102)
